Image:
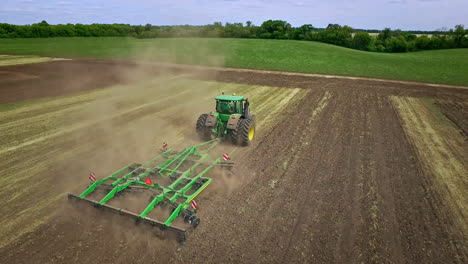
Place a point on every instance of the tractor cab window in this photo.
(227, 107)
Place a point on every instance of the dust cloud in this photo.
(104, 131)
(128, 123)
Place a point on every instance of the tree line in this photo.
(386, 40)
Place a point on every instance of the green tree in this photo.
(303, 32)
(81, 30)
(276, 29)
(458, 35)
(362, 41)
(397, 44)
(423, 43)
(385, 34)
(63, 30)
(235, 30)
(41, 30)
(148, 27)
(336, 34)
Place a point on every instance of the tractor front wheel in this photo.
(245, 131)
(203, 131)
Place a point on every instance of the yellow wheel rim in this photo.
(251, 132)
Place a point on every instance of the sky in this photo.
(366, 14)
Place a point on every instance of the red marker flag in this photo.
(194, 205)
(225, 157)
(92, 176)
(148, 181)
(164, 146)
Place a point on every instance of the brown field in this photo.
(341, 171)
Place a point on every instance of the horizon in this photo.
(408, 15)
(244, 24)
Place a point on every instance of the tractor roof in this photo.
(226, 97)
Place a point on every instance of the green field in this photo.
(442, 66)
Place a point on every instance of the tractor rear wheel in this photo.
(245, 132)
(234, 137)
(203, 131)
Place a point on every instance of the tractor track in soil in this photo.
(306, 202)
(334, 179)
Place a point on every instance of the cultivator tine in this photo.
(136, 178)
(226, 165)
(146, 220)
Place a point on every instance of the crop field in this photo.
(8, 60)
(439, 66)
(341, 170)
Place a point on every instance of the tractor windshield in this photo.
(228, 107)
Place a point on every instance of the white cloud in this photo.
(64, 3)
(397, 2)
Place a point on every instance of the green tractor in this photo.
(232, 121)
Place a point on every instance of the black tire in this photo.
(234, 136)
(242, 132)
(195, 222)
(203, 131)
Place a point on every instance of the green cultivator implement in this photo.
(184, 174)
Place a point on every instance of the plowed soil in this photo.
(337, 173)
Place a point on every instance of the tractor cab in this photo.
(227, 105)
